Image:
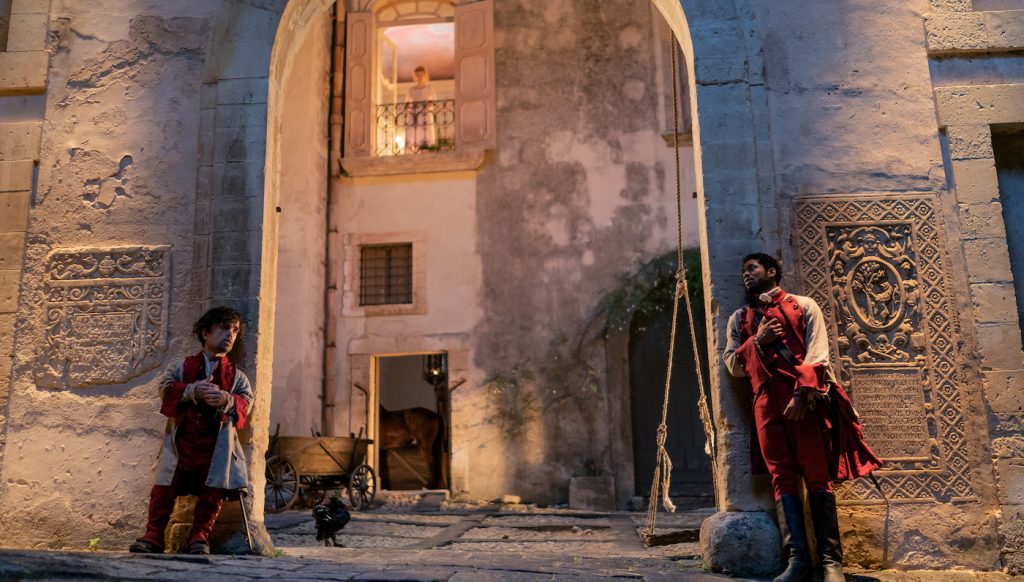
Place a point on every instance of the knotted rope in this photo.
(663, 464)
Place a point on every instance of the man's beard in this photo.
(754, 293)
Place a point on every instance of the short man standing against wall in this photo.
(805, 425)
(205, 398)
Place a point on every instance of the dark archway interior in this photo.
(648, 350)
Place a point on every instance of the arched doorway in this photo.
(649, 339)
(724, 145)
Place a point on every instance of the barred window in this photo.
(385, 274)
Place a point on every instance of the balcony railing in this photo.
(415, 127)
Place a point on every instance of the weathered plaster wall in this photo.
(437, 214)
(299, 327)
(579, 193)
(117, 167)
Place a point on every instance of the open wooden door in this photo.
(474, 76)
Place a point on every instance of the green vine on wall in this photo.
(522, 396)
(650, 289)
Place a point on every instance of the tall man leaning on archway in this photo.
(805, 425)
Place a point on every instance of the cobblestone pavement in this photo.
(454, 546)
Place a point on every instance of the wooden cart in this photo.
(316, 465)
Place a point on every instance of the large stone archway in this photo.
(161, 146)
(728, 139)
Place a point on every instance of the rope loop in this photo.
(663, 465)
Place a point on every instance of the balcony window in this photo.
(419, 80)
(415, 88)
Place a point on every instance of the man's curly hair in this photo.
(768, 262)
(217, 316)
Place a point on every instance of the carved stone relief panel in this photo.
(105, 315)
(877, 267)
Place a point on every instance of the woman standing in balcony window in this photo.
(419, 130)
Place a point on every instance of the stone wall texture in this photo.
(159, 158)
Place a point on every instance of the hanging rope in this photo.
(663, 464)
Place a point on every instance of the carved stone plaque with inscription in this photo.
(878, 268)
(106, 315)
(893, 412)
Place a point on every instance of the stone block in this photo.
(988, 260)
(242, 91)
(204, 181)
(201, 251)
(980, 104)
(1008, 447)
(27, 32)
(13, 211)
(951, 5)
(203, 221)
(592, 493)
(713, 70)
(242, 115)
(9, 281)
(19, 141)
(245, 59)
(230, 214)
(6, 363)
(969, 142)
(976, 181)
(994, 303)
(12, 250)
(718, 38)
(1004, 390)
(16, 176)
(208, 95)
(23, 72)
(984, 220)
(240, 144)
(742, 543)
(30, 7)
(7, 334)
(1011, 529)
(237, 179)
(975, 32)
(229, 248)
(1010, 481)
(231, 281)
(1000, 347)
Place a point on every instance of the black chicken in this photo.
(330, 517)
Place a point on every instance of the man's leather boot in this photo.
(790, 510)
(826, 533)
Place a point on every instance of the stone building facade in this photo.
(159, 158)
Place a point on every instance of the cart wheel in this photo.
(282, 487)
(362, 487)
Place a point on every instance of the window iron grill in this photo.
(385, 274)
(415, 127)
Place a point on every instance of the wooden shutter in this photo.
(358, 98)
(474, 76)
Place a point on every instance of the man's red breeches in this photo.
(195, 452)
(791, 448)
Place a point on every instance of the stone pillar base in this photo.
(741, 543)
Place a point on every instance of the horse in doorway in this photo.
(401, 428)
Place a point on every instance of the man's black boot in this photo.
(826, 532)
(790, 511)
